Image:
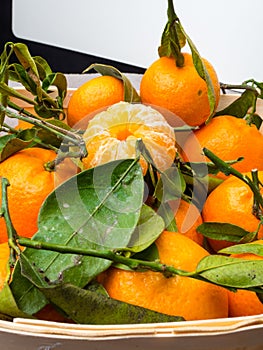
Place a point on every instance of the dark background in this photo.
(60, 60)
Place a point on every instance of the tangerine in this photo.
(94, 94)
(180, 296)
(179, 89)
(188, 218)
(229, 138)
(232, 202)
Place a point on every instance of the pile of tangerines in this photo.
(112, 126)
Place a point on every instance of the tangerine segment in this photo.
(180, 296)
(112, 134)
(179, 89)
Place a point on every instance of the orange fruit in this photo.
(4, 257)
(30, 183)
(112, 134)
(180, 296)
(231, 202)
(229, 138)
(188, 218)
(94, 94)
(244, 302)
(179, 89)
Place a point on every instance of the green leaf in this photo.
(97, 208)
(85, 306)
(8, 306)
(173, 38)
(232, 272)
(148, 229)
(240, 106)
(130, 93)
(10, 144)
(171, 185)
(48, 137)
(42, 66)
(22, 53)
(250, 248)
(222, 231)
(166, 212)
(203, 73)
(58, 80)
(19, 74)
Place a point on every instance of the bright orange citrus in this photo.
(181, 296)
(244, 302)
(94, 94)
(231, 202)
(179, 89)
(30, 183)
(112, 134)
(229, 138)
(188, 218)
(4, 256)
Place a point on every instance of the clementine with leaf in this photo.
(229, 138)
(179, 89)
(232, 202)
(179, 296)
(91, 96)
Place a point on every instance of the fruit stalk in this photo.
(65, 135)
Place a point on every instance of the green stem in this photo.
(63, 134)
(115, 256)
(11, 232)
(225, 86)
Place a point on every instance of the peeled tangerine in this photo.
(178, 296)
(112, 135)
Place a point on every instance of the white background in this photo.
(226, 32)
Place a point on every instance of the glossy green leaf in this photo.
(171, 185)
(232, 272)
(97, 208)
(148, 229)
(250, 248)
(166, 212)
(222, 231)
